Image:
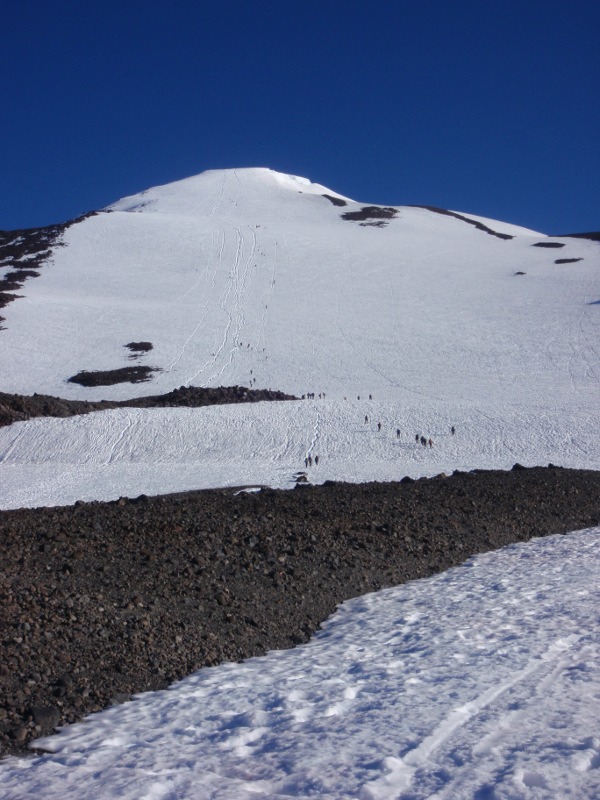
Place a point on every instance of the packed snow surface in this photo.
(481, 682)
(418, 322)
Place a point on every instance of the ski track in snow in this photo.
(132, 451)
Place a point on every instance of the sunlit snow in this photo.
(479, 683)
(253, 278)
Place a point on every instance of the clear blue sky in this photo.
(485, 107)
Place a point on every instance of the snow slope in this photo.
(254, 278)
(481, 682)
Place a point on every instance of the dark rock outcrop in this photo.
(99, 601)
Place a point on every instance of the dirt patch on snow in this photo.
(479, 225)
(594, 236)
(113, 376)
(137, 349)
(366, 215)
(337, 201)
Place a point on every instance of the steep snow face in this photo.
(415, 318)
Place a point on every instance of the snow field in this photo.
(480, 683)
(128, 452)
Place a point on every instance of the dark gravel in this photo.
(102, 600)
(18, 407)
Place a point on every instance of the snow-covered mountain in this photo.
(480, 682)
(415, 318)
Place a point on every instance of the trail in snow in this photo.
(151, 451)
(426, 307)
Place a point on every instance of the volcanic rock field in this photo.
(100, 601)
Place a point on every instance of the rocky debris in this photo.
(476, 223)
(337, 201)
(137, 349)
(25, 251)
(99, 601)
(110, 377)
(379, 213)
(593, 236)
(17, 407)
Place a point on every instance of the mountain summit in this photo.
(202, 193)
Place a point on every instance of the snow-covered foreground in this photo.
(482, 682)
(128, 452)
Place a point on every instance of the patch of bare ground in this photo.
(99, 601)
(337, 201)
(6, 298)
(548, 244)
(137, 349)
(17, 407)
(479, 225)
(366, 215)
(111, 377)
(567, 260)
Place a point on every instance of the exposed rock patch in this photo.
(99, 601)
(337, 201)
(17, 407)
(476, 223)
(113, 376)
(25, 251)
(378, 213)
(138, 348)
(594, 236)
